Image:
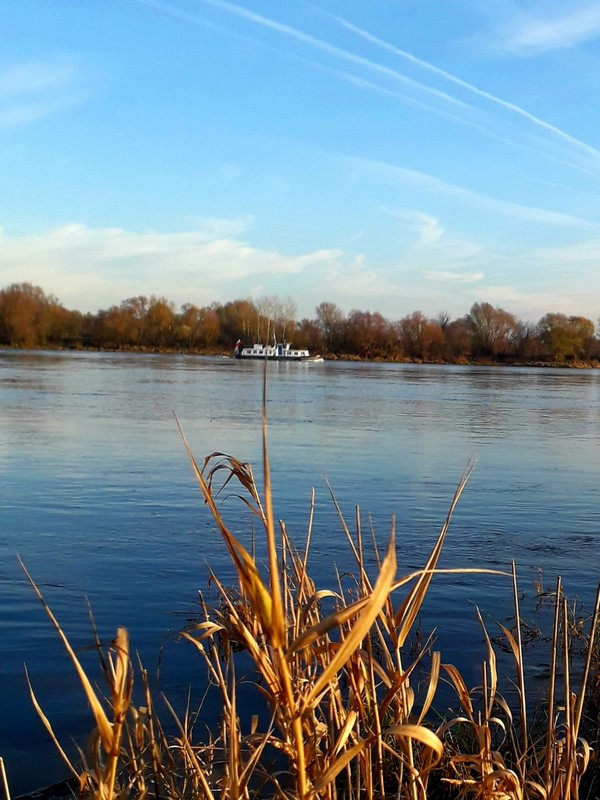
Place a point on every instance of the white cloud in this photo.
(454, 277)
(583, 253)
(532, 35)
(532, 305)
(428, 228)
(220, 228)
(34, 76)
(539, 280)
(91, 268)
(435, 246)
(34, 90)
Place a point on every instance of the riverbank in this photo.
(462, 362)
(63, 790)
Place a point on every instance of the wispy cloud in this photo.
(211, 228)
(454, 277)
(533, 304)
(428, 183)
(34, 77)
(532, 35)
(428, 228)
(583, 253)
(34, 90)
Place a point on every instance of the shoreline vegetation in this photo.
(348, 358)
(349, 691)
(486, 335)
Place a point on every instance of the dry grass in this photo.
(344, 717)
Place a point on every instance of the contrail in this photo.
(294, 33)
(464, 85)
(168, 8)
(326, 47)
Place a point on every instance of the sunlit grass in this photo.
(345, 716)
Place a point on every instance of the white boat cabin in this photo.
(279, 350)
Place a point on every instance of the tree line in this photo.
(30, 318)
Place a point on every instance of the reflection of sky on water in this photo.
(98, 497)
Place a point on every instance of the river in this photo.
(99, 500)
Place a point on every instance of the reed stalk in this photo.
(4, 779)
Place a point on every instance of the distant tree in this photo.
(420, 337)
(118, 327)
(209, 328)
(457, 340)
(565, 338)
(491, 328)
(275, 317)
(526, 343)
(239, 320)
(266, 308)
(585, 331)
(187, 325)
(285, 321)
(308, 334)
(63, 328)
(159, 323)
(134, 311)
(121, 326)
(28, 317)
(330, 319)
(367, 334)
(443, 320)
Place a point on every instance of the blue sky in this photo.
(385, 155)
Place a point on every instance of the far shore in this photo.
(462, 362)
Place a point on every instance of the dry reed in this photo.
(344, 719)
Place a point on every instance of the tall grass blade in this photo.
(277, 628)
(340, 763)
(258, 594)
(408, 611)
(551, 731)
(361, 626)
(588, 662)
(104, 726)
(4, 779)
(519, 660)
(48, 725)
(420, 734)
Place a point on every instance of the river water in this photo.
(99, 500)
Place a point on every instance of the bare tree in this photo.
(491, 329)
(330, 319)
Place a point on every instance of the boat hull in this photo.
(272, 358)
